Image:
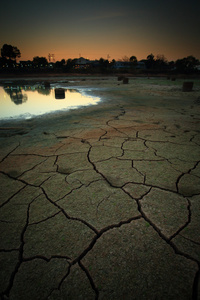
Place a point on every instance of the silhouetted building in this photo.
(81, 63)
(26, 64)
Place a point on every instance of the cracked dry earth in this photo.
(106, 207)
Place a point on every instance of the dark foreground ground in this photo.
(104, 202)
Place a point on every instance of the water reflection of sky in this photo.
(28, 101)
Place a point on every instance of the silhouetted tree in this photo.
(10, 52)
(171, 65)
(150, 62)
(60, 64)
(161, 62)
(40, 61)
(125, 59)
(186, 64)
(112, 63)
(161, 57)
(103, 65)
(103, 62)
(150, 57)
(69, 65)
(133, 59)
(2, 61)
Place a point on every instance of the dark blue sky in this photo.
(97, 29)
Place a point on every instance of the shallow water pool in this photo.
(27, 101)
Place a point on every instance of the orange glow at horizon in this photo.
(141, 52)
(100, 28)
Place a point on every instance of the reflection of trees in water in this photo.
(41, 89)
(44, 90)
(16, 95)
(15, 92)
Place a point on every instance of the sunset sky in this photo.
(98, 28)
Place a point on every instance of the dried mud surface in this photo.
(104, 202)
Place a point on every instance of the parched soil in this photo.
(103, 202)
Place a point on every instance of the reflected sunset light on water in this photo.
(29, 101)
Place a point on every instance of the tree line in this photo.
(10, 54)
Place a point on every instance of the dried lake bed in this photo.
(103, 201)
